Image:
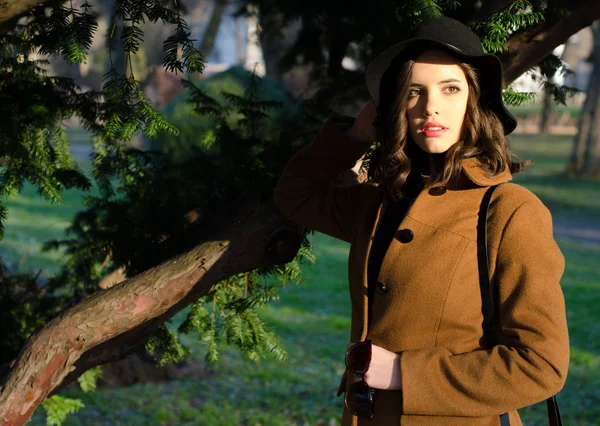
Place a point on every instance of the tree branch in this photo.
(528, 47)
(112, 323)
(12, 10)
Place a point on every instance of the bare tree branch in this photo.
(12, 10)
(112, 323)
(528, 47)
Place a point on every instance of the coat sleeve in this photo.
(531, 360)
(305, 193)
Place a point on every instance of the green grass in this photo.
(32, 220)
(565, 196)
(312, 320)
(580, 399)
(536, 108)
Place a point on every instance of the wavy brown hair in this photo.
(397, 157)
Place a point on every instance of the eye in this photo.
(452, 89)
(413, 92)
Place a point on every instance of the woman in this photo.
(413, 277)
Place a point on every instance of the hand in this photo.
(384, 371)
(363, 124)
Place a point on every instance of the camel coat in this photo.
(427, 304)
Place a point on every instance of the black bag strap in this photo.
(487, 300)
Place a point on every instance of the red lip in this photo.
(433, 133)
(432, 124)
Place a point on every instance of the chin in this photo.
(431, 147)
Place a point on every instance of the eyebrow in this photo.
(449, 80)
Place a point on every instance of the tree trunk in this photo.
(570, 55)
(240, 41)
(547, 112)
(584, 124)
(210, 34)
(585, 155)
(112, 323)
(276, 39)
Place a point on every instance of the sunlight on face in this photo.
(437, 101)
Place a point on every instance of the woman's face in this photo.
(437, 101)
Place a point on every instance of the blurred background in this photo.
(311, 319)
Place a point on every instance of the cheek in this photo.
(464, 106)
(411, 115)
(459, 110)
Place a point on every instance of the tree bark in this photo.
(528, 47)
(12, 10)
(547, 112)
(210, 34)
(112, 323)
(591, 155)
(585, 155)
(276, 38)
(584, 125)
(240, 41)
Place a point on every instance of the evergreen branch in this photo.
(132, 36)
(165, 345)
(87, 381)
(560, 93)
(58, 407)
(552, 64)
(193, 60)
(429, 8)
(514, 98)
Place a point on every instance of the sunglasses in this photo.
(360, 398)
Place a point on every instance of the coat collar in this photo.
(475, 173)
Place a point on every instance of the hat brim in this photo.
(489, 67)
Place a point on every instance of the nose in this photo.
(431, 106)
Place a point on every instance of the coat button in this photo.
(437, 190)
(405, 235)
(381, 287)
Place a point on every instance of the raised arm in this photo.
(305, 193)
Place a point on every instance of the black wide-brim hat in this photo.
(457, 39)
